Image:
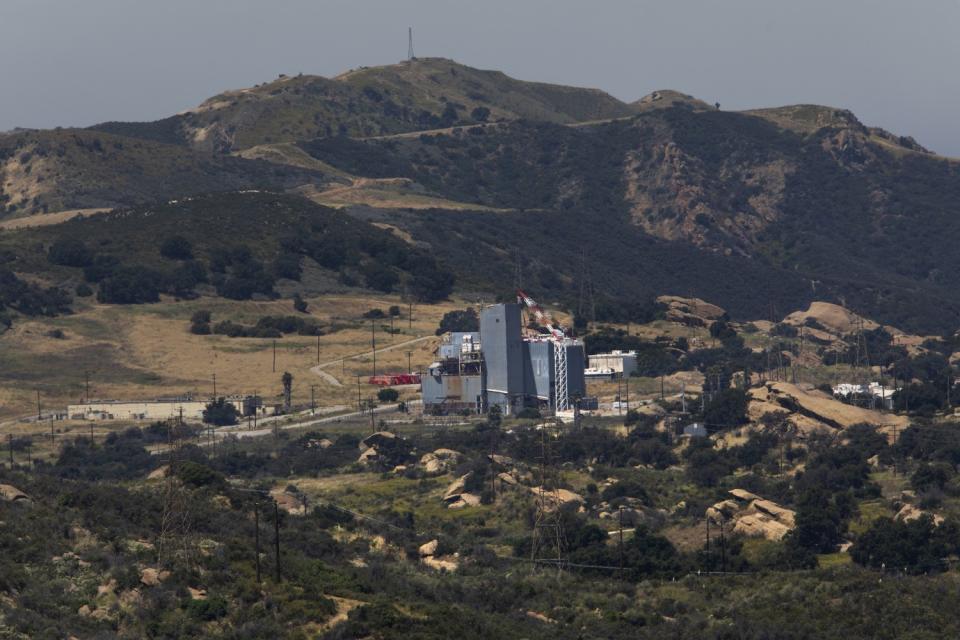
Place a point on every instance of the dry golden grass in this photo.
(46, 219)
(147, 351)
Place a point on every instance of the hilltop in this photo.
(777, 206)
(424, 93)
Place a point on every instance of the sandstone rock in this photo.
(150, 577)
(742, 494)
(457, 486)
(772, 509)
(506, 461)
(758, 525)
(442, 563)
(108, 589)
(429, 548)
(159, 473)
(197, 594)
(465, 500)
(10, 493)
(439, 461)
(910, 512)
(539, 617)
(378, 438)
(555, 498)
(368, 456)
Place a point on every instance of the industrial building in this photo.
(159, 409)
(500, 366)
(613, 364)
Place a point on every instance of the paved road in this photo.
(241, 432)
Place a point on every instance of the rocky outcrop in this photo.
(752, 516)
(456, 495)
(556, 498)
(691, 311)
(909, 512)
(819, 407)
(9, 493)
(429, 557)
(439, 461)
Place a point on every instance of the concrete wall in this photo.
(148, 410)
(625, 363)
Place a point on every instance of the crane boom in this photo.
(540, 315)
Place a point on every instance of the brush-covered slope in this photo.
(43, 171)
(425, 93)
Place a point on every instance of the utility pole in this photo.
(723, 549)
(214, 386)
(662, 397)
(276, 537)
(359, 407)
(38, 405)
(620, 542)
(409, 369)
(619, 403)
(256, 537)
(274, 356)
(313, 402)
(373, 343)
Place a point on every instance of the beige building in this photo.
(616, 362)
(137, 409)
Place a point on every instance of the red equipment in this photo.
(394, 379)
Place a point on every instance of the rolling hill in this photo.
(421, 94)
(748, 209)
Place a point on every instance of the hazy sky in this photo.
(895, 63)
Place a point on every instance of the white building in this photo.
(152, 410)
(623, 363)
(880, 393)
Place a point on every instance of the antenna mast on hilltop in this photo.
(410, 55)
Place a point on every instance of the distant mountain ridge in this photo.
(803, 198)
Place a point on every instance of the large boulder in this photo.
(9, 493)
(753, 516)
(464, 500)
(439, 461)
(378, 439)
(457, 487)
(691, 311)
(556, 498)
(429, 548)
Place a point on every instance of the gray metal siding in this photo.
(576, 363)
(502, 348)
(540, 366)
